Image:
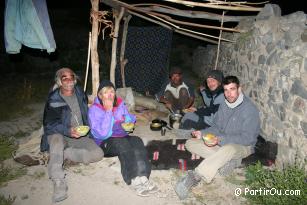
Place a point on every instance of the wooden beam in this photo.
(122, 59)
(193, 24)
(94, 53)
(172, 28)
(118, 15)
(193, 14)
(232, 6)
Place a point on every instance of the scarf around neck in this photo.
(235, 103)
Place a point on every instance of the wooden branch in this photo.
(188, 30)
(124, 61)
(88, 60)
(132, 10)
(234, 7)
(192, 14)
(94, 53)
(218, 45)
(173, 29)
(193, 24)
(118, 17)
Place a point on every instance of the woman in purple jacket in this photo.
(106, 115)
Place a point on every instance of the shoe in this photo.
(139, 187)
(150, 186)
(27, 160)
(184, 185)
(228, 168)
(59, 190)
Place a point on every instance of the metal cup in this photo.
(163, 130)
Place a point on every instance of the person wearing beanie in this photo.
(212, 93)
(107, 117)
(176, 94)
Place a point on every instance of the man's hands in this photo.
(74, 133)
(197, 134)
(213, 142)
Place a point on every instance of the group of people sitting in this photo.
(227, 114)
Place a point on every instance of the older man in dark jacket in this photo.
(66, 108)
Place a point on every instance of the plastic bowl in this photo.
(127, 126)
(209, 139)
(82, 130)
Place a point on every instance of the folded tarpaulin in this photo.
(27, 23)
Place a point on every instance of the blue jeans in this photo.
(132, 155)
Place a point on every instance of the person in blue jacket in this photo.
(213, 95)
(65, 109)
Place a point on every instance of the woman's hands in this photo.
(108, 104)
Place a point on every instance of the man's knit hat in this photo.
(216, 74)
(105, 83)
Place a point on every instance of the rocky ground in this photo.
(101, 182)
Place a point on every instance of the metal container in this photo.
(175, 119)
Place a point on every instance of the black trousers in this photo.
(132, 155)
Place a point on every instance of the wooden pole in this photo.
(124, 61)
(118, 17)
(94, 53)
(219, 44)
(88, 60)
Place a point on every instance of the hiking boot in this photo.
(59, 190)
(139, 187)
(184, 184)
(151, 187)
(229, 167)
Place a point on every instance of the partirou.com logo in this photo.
(266, 191)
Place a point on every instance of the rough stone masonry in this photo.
(270, 59)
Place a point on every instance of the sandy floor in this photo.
(101, 183)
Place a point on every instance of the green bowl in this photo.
(82, 130)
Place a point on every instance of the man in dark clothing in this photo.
(66, 108)
(213, 95)
(176, 94)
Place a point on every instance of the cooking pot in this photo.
(175, 119)
(157, 124)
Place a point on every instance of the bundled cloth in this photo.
(29, 153)
(168, 154)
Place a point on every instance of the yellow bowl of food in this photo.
(209, 139)
(128, 126)
(82, 130)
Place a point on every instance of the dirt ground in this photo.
(101, 182)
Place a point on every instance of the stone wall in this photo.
(270, 59)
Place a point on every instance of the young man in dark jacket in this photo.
(66, 108)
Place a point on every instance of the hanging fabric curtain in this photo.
(27, 23)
